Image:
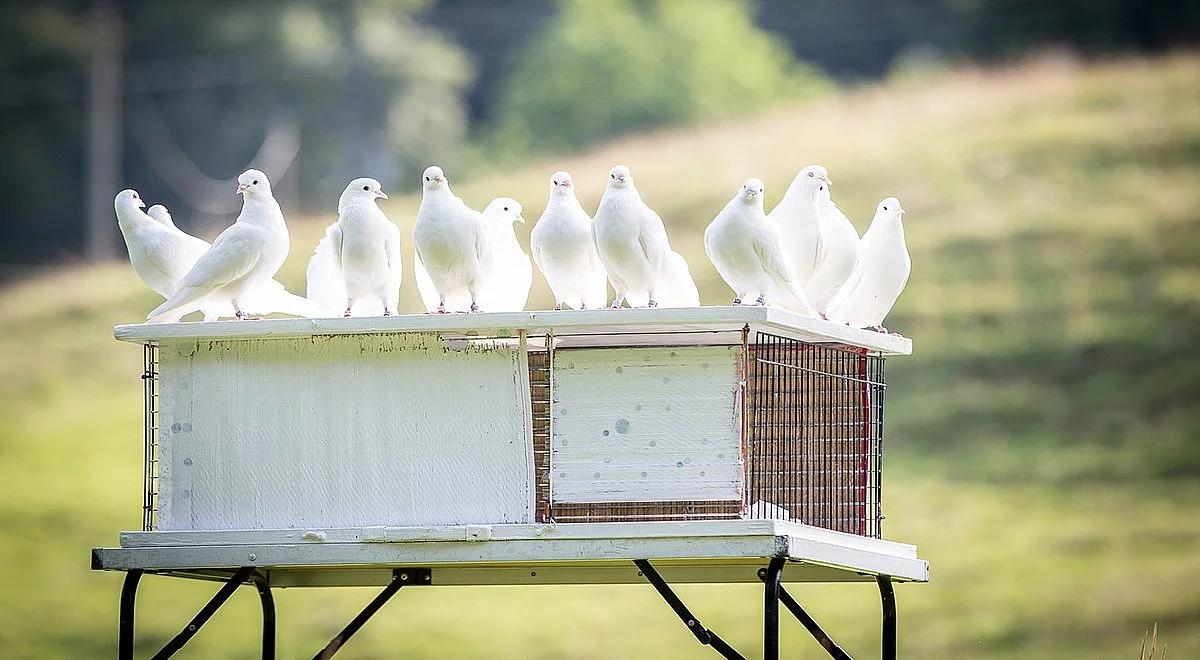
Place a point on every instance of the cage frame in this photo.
(658, 552)
(541, 339)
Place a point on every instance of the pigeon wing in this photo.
(232, 256)
(326, 285)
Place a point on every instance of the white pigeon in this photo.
(357, 265)
(837, 252)
(562, 246)
(678, 289)
(882, 271)
(246, 255)
(160, 213)
(796, 216)
(632, 243)
(747, 250)
(451, 242)
(161, 254)
(511, 274)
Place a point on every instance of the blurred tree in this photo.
(599, 69)
(209, 86)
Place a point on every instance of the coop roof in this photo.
(700, 324)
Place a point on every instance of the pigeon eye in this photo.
(506, 208)
(885, 208)
(254, 183)
(366, 187)
(426, 178)
(810, 174)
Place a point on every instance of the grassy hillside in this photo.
(1042, 440)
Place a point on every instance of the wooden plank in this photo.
(621, 573)
(524, 553)
(342, 431)
(565, 322)
(646, 425)
(715, 529)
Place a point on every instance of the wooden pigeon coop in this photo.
(717, 444)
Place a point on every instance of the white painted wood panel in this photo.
(728, 321)
(337, 431)
(646, 425)
(587, 550)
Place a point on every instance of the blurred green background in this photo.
(1043, 441)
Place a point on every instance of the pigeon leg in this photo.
(652, 303)
(386, 311)
(474, 307)
(558, 307)
(237, 310)
(736, 301)
(441, 308)
(761, 301)
(618, 301)
(346, 314)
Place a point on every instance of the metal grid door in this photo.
(814, 434)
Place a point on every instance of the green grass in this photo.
(1042, 441)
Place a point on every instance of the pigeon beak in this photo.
(141, 204)
(520, 218)
(242, 188)
(828, 181)
(380, 194)
(902, 211)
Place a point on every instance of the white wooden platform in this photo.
(671, 325)
(577, 553)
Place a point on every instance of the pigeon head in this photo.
(363, 189)
(811, 180)
(505, 207)
(619, 177)
(752, 191)
(129, 198)
(561, 183)
(434, 178)
(253, 183)
(890, 207)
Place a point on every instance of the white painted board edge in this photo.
(696, 319)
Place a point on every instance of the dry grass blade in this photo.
(1145, 654)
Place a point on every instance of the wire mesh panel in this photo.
(539, 398)
(814, 434)
(150, 440)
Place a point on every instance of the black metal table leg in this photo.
(888, 599)
(810, 624)
(125, 617)
(268, 610)
(702, 634)
(400, 577)
(210, 608)
(771, 608)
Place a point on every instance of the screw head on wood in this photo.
(253, 556)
